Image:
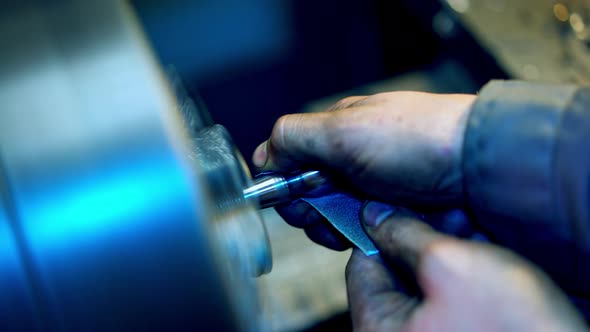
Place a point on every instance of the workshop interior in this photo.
(126, 130)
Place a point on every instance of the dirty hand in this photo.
(397, 147)
(464, 286)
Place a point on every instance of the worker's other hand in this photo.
(463, 286)
(402, 147)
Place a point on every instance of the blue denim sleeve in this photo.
(526, 165)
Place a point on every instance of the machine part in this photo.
(226, 174)
(106, 223)
(217, 160)
(195, 114)
(275, 189)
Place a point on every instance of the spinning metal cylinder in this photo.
(114, 215)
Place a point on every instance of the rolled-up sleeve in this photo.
(526, 165)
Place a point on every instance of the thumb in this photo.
(302, 139)
(399, 234)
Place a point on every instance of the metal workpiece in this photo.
(268, 191)
(275, 189)
(107, 220)
(236, 219)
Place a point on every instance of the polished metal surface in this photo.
(276, 189)
(106, 223)
(237, 219)
(268, 191)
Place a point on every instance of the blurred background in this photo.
(251, 61)
(254, 60)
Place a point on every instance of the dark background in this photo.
(251, 61)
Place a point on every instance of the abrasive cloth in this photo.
(343, 211)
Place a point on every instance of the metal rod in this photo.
(277, 189)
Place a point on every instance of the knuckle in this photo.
(277, 138)
(406, 228)
(413, 239)
(351, 100)
(433, 250)
(347, 102)
(286, 131)
(387, 97)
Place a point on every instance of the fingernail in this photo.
(260, 155)
(374, 213)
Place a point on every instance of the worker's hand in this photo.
(398, 147)
(464, 286)
(402, 147)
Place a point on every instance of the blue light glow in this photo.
(107, 201)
